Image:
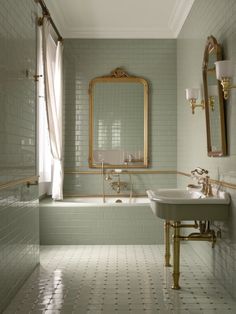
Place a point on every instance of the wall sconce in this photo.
(192, 96)
(224, 73)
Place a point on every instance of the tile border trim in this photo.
(87, 172)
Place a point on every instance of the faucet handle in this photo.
(200, 171)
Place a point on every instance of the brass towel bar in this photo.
(33, 180)
(124, 171)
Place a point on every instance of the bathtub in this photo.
(107, 201)
(87, 220)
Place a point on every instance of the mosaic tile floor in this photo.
(118, 279)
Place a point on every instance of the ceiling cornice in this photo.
(175, 23)
(179, 15)
(117, 33)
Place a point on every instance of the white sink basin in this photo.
(183, 204)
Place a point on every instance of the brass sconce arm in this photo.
(194, 104)
(192, 96)
(226, 86)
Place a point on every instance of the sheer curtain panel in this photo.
(52, 55)
(44, 151)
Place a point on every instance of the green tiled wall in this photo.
(19, 221)
(17, 94)
(154, 60)
(217, 18)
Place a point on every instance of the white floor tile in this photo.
(119, 279)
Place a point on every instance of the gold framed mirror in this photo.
(118, 121)
(214, 102)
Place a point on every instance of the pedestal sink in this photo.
(183, 204)
(176, 205)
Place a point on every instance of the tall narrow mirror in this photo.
(213, 96)
(118, 121)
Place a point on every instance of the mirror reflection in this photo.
(118, 121)
(215, 120)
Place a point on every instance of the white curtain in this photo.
(44, 151)
(52, 56)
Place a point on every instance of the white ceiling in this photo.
(119, 18)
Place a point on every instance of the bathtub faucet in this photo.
(118, 185)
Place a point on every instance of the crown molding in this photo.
(179, 15)
(175, 23)
(117, 33)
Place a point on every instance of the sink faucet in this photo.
(206, 186)
(199, 173)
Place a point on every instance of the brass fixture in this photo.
(113, 177)
(204, 234)
(118, 185)
(224, 73)
(29, 183)
(95, 172)
(33, 180)
(108, 177)
(226, 86)
(47, 13)
(75, 171)
(199, 173)
(207, 188)
(193, 104)
(176, 255)
(37, 76)
(192, 96)
(167, 241)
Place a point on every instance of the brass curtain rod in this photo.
(46, 12)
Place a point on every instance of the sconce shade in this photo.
(192, 93)
(224, 69)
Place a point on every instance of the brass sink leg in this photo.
(176, 255)
(167, 243)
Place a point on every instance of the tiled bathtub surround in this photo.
(217, 18)
(77, 223)
(19, 238)
(154, 60)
